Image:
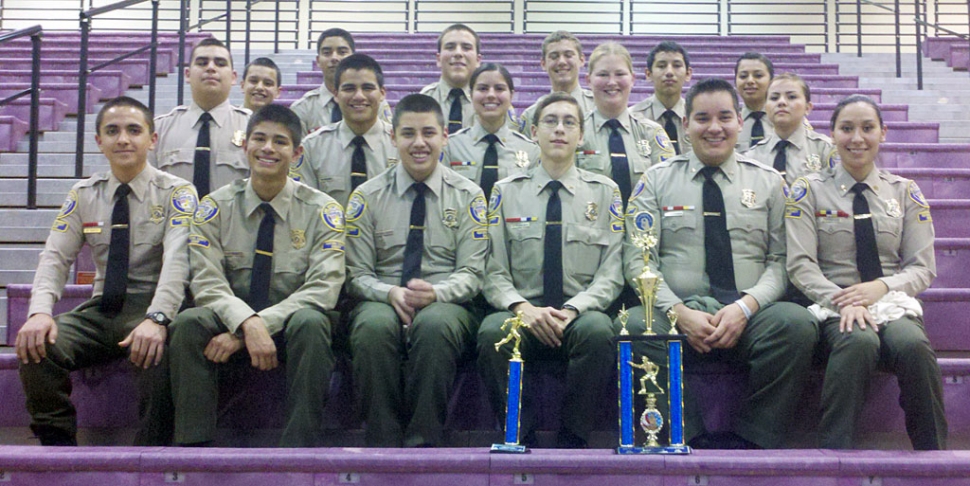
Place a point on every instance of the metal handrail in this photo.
(35, 34)
(918, 22)
(82, 85)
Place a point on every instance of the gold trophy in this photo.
(513, 408)
(647, 282)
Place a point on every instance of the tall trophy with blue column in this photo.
(651, 420)
(513, 406)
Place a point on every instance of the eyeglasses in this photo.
(551, 123)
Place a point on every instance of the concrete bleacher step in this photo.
(12, 130)
(25, 225)
(50, 112)
(64, 92)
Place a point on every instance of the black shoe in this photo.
(57, 438)
(568, 440)
(722, 440)
(529, 440)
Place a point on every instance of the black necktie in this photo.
(358, 163)
(719, 260)
(202, 153)
(335, 114)
(758, 129)
(415, 245)
(621, 167)
(454, 117)
(670, 126)
(866, 251)
(781, 158)
(490, 164)
(116, 275)
(552, 293)
(262, 261)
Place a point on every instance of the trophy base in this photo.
(509, 449)
(668, 450)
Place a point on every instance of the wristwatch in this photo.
(158, 318)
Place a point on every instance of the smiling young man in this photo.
(417, 239)
(718, 217)
(135, 219)
(562, 59)
(260, 83)
(339, 157)
(267, 260)
(668, 68)
(202, 141)
(319, 107)
(557, 235)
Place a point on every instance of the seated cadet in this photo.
(557, 235)
(260, 83)
(562, 59)
(202, 141)
(791, 148)
(752, 74)
(719, 219)
(858, 236)
(668, 68)
(267, 264)
(318, 107)
(618, 143)
(136, 220)
(488, 150)
(459, 52)
(339, 157)
(414, 277)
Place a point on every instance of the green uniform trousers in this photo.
(405, 376)
(776, 348)
(303, 348)
(900, 347)
(86, 337)
(586, 346)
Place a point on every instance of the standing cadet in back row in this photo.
(267, 257)
(136, 220)
(202, 141)
(719, 219)
(562, 59)
(339, 157)
(668, 68)
(318, 107)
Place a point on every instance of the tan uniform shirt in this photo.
(178, 131)
(808, 152)
(669, 198)
(308, 252)
(315, 109)
(744, 138)
(440, 92)
(646, 144)
(465, 152)
(652, 109)
(327, 153)
(821, 233)
(160, 210)
(592, 236)
(583, 96)
(455, 235)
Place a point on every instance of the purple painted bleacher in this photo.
(50, 115)
(135, 69)
(166, 57)
(112, 83)
(12, 130)
(64, 92)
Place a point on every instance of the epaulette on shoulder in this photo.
(812, 134)
(429, 88)
(463, 130)
(643, 120)
(241, 110)
(742, 158)
(92, 181)
(165, 180)
(176, 110)
(588, 176)
(308, 194)
(522, 136)
(891, 178)
(319, 132)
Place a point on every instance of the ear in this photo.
(690, 72)
(808, 108)
(152, 145)
(885, 129)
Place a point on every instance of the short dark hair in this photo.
(336, 32)
(359, 62)
(277, 114)
(667, 46)
(210, 41)
(856, 98)
(556, 98)
(417, 103)
(265, 62)
(454, 27)
(711, 85)
(125, 101)
(755, 56)
(491, 66)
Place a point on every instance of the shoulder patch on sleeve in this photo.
(792, 212)
(640, 186)
(355, 206)
(663, 140)
(798, 191)
(333, 245)
(184, 200)
(833, 158)
(924, 217)
(477, 209)
(333, 216)
(616, 207)
(643, 221)
(494, 201)
(70, 204)
(60, 226)
(199, 241)
(206, 211)
(917, 195)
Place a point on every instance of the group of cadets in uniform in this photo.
(425, 230)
